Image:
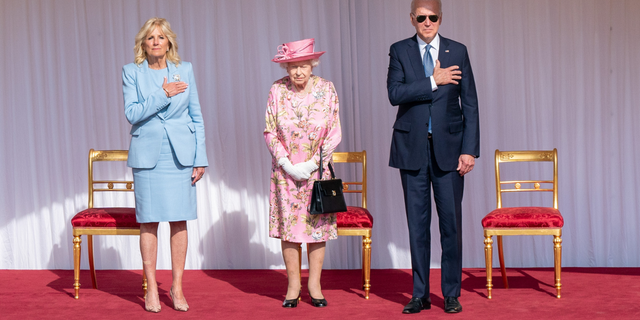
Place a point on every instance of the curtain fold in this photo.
(549, 74)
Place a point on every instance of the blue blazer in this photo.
(182, 120)
(453, 108)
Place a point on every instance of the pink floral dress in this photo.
(297, 124)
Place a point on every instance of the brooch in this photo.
(176, 77)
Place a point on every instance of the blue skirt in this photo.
(165, 193)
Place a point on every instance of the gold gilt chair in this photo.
(356, 221)
(102, 220)
(508, 221)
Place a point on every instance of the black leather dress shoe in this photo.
(291, 303)
(452, 305)
(417, 304)
(319, 303)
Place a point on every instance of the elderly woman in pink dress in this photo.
(302, 120)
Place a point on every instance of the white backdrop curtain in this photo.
(550, 74)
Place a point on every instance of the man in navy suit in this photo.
(435, 142)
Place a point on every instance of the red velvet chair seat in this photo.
(106, 218)
(355, 217)
(523, 217)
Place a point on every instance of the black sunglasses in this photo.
(432, 17)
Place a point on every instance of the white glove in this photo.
(293, 171)
(307, 167)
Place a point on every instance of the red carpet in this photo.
(588, 293)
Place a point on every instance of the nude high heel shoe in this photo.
(178, 306)
(154, 309)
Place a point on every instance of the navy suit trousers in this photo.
(447, 191)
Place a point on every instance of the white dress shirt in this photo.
(435, 46)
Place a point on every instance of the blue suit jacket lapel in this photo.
(144, 83)
(175, 100)
(172, 72)
(444, 56)
(413, 51)
(443, 53)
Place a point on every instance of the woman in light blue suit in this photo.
(167, 151)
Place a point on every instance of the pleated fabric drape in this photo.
(549, 74)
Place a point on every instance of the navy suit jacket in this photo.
(144, 99)
(453, 108)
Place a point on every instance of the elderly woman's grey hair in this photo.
(314, 63)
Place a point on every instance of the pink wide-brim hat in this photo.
(297, 51)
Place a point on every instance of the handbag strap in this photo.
(333, 175)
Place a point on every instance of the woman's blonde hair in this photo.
(147, 28)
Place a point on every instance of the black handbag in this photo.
(327, 196)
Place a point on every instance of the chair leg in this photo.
(76, 265)
(488, 251)
(92, 269)
(144, 283)
(366, 265)
(503, 270)
(557, 262)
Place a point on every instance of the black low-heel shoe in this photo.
(319, 303)
(291, 303)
